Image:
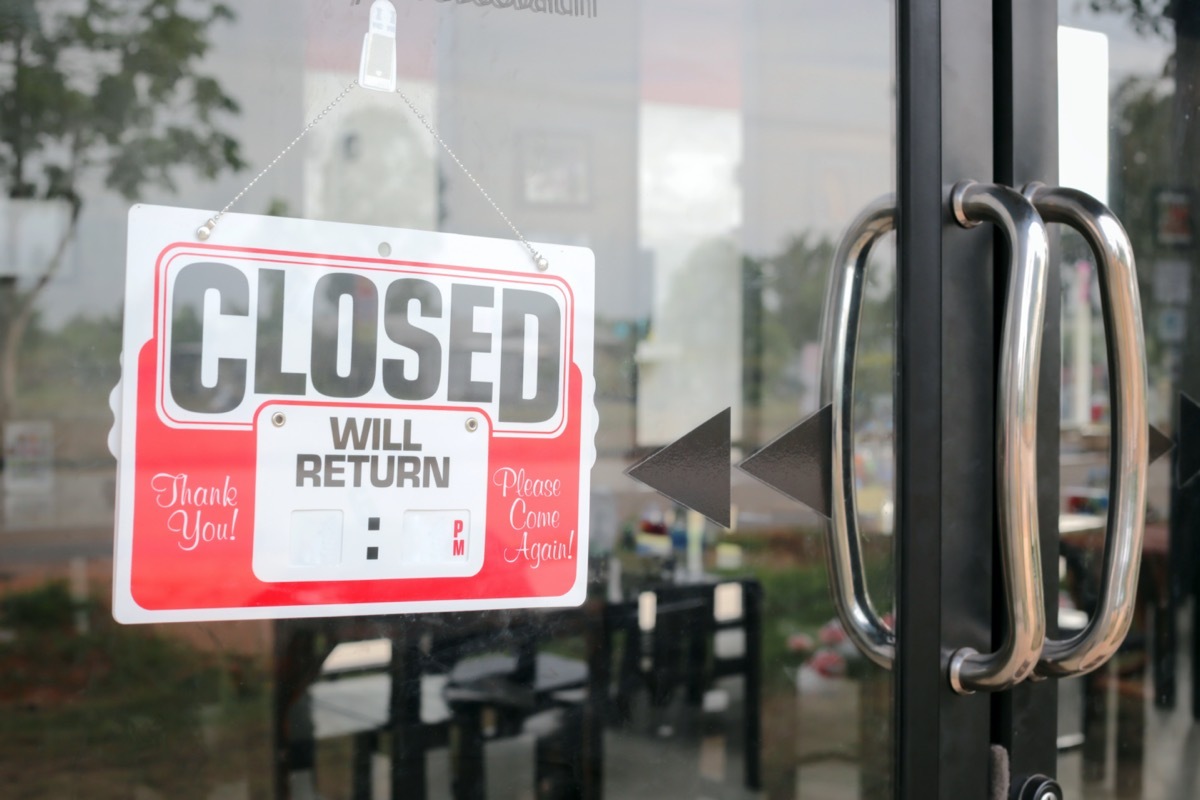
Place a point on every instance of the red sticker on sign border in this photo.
(309, 428)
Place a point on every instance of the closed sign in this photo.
(308, 427)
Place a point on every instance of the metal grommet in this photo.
(278, 419)
(472, 424)
(956, 663)
(957, 195)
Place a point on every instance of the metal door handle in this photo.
(1016, 437)
(1128, 457)
(840, 326)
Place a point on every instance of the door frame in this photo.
(977, 89)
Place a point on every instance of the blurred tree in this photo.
(1148, 16)
(796, 288)
(1143, 163)
(783, 302)
(100, 87)
(1159, 147)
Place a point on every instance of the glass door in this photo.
(1094, 100)
(710, 156)
(1125, 92)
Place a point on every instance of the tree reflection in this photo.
(101, 89)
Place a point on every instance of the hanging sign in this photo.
(327, 419)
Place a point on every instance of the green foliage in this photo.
(47, 606)
(790, 568)
(119, 659)
(794, 284)
(1145, 162)
(120, 705)
(111, 85)
(1143, 117)
(790, 288)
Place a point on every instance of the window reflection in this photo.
(709, 153)
(1110, 745)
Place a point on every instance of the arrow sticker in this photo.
(798, 462)
(694, 470)
(1160, 444)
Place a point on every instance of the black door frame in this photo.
(977, 88)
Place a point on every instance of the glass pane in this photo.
(710, 154)
(1127, 135)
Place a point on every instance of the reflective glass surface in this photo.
(1127, 136)
(710, 153)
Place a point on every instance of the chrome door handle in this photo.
(1016, 438)
(840, 326)
(1129, 451)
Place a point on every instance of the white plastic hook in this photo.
(377, 67)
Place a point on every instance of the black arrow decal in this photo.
(694, 470)
(1189, 439)
(1160, 444)
(797, 463)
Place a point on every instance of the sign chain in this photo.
(538, 259)
(205, 230)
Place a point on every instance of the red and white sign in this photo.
(327, 419)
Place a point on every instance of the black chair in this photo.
(496, 696)
(682, 651)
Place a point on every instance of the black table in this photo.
(441, 644)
